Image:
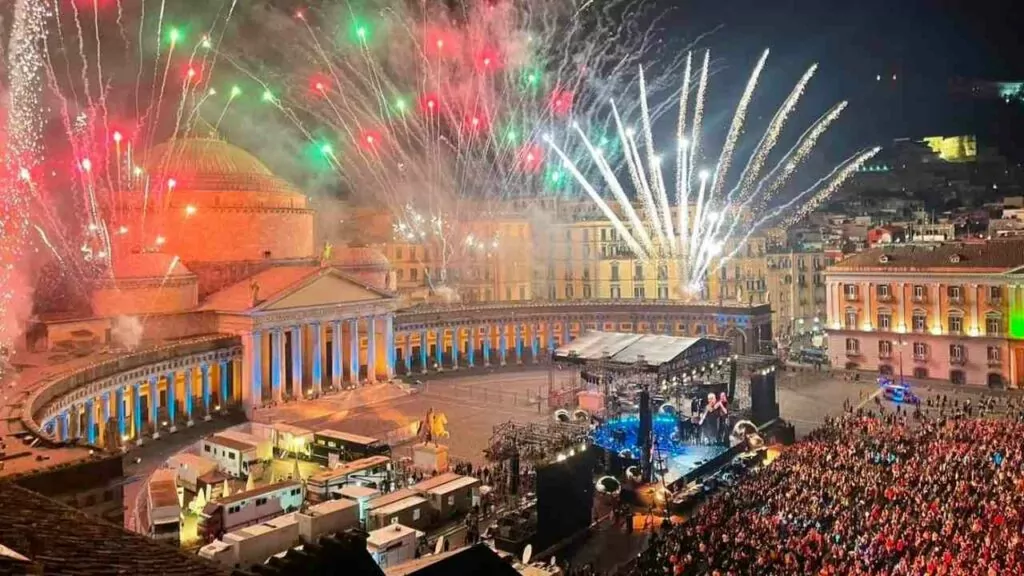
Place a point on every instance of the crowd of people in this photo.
(895, 494)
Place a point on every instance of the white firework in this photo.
(712, 221)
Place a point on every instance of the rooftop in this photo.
(59, 540)
(436, 481)
(230, 443)
(398, 506)
(456, 484)
(346, 436)
(350, 467)
(287, 484)
(974, 257)
(381, 537)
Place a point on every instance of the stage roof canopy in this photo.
(656, 349)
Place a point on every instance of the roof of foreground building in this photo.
(56, 539)
(991, 256)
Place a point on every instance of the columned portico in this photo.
(318, 357)
(296, 362)
(336, 359)
(371, 349)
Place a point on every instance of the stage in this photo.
(618, 436)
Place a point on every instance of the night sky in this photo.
(925, 43)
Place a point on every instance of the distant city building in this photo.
(952, 311)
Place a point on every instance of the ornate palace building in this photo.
(951, 311)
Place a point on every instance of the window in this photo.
(920, 372)
(851, 319)
(662, 292)
(995, 293)
(261, 501)
(206, 447)
(956, 323)
(662, 272)
(508, 292)
(398, 253)
(852, 346)
(993, 325)
(851, 291)
(994, 354)
(616, 292)
(956, 352)
(884, 349)
(638, 292)
(615, 271)
(884, 321)
(415, 514)
(522, 293)
(953, 292)
(957, 377)
(400, 274)
(883, 291)
(639, 272)
(231, 455)
(394, 520)
(451, 500)
(920, 350)
(588, 292)
(568, 291)
(414, 274)
(920, 321)
(296, 491)
(919, 293)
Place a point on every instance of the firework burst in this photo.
(712, 220)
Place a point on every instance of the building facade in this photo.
(952, 312)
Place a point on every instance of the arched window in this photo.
(955, 322)
(957, 377)
(920, 320)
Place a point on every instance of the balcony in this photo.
(957, 360)
(885, 298)
(853, 353)
(920, 356)
(885, 355)
(851, 297)
(922, 299)
(956, 300)
(995, 362)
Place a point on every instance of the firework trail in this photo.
(707, 234)
(426, 107)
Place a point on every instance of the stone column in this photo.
(172, 400)
(975, 313)
(189, 389)
(371, 349)
(439, 349)
(90, 421)
(551, 336)
(223, 384)
(424, 350)
(204, 372)
(486, 340)
(297, 362)
(137, 410)
(353, 361)
(105, 412)
(471, 334)
(65, 426)
(154, 405)
(565, 332)
(336, 361)
(869, 321)
(389, 346)
(407, 356)
(502, 343)
(318, 357)
(938, 311)
(517, 332)
(122, 424)
(456, 337)
(252, 393)
(901, 307)
(534, 340)
(276, 363)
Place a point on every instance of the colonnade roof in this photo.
(627, 348)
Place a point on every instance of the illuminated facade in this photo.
(952, 312)
(954, 148)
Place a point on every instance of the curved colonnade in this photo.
(121, 401)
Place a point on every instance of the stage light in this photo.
(560, 458)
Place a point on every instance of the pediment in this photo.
(328, 289)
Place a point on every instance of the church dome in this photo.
(211, 164)
(151, 266)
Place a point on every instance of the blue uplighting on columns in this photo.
(487, 345)
(455, 347)
(565, 332)
(122, 425)
(551, 337)
(137, 409)
(65, 427)
(336, 356)
(439, 349)
(204, 371)
(223, 384)
(353, 360)
(188, 392)
(318, 358)
(276, 357)
(154, 405)
(502, 343)
(424, 345)
(407, 356)
(389, 344)
(256, 378)
(90, 421)
(297, 362)
(534, 340)
(371, 349)
(471, 333)
(517, 331)
(172, 405)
